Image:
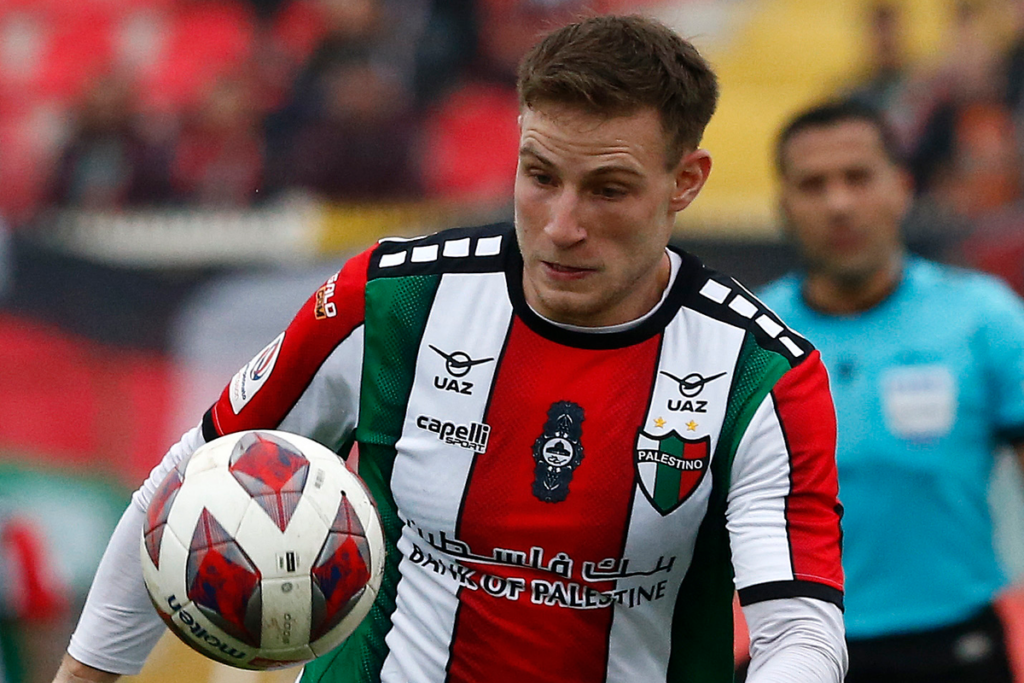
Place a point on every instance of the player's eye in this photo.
(611, 192)
(540, 177)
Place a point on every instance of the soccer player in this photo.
(927, 370)
(577, 436)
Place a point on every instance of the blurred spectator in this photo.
(965, 158)
(111, 160)
(219, 160)
(1014, 60)
(996, 244)
(267, 9)
(447, 46)
(887, 68)
(326, 34)
(471, 138)
(6, 260)
(348, 129)
(360, 146)
(957, 135)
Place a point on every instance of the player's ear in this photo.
(690, 175)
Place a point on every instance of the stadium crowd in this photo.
(960, 123)
(229, 103)
(226, 103)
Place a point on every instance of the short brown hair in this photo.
(616, 65)
(834, 112)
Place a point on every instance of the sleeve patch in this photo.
(253, 375)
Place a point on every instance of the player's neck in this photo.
(837, 295)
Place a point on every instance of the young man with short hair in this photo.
(645, 429)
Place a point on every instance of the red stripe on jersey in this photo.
(324, 321)
(500, 510)
(804, 406)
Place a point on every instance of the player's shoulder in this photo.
(478, 249)
(724, 299)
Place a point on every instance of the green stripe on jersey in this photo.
(702, 627)
(666, 481)
(396, 315)
(757, 371)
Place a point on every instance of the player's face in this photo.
(595, 203)
(844, 200)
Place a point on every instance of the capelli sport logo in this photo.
(472, 437)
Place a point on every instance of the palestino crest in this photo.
(558, 452)
(670, 467)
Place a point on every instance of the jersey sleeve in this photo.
(1002, 349)
(783, 511)
(307, 379)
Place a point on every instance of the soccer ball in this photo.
(262, 550)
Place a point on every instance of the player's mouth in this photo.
(558, 271)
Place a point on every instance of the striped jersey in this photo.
(559, 506)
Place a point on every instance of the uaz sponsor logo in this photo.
(472, 437)
(690, 387)
(456, 364)
(199, 632)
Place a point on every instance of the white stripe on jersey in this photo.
(424, 597)
(756, 515)
(328, 409)
(452, 385)
(693, 343)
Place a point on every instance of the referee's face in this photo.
(595, 203)
(843, 199)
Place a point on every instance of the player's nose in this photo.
(563, 226)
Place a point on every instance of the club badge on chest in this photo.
(557, 452)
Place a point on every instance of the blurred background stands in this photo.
(177, 176)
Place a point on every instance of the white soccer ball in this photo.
(262, 550)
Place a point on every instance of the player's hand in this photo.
(73, 671)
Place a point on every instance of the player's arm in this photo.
(783, 519)
(795, 639)
(73, 671)
(118, 626)
(305, 381)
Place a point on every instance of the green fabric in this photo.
(396, 314)
(702, 626)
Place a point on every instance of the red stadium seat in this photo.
(471, 145)
(204, 41)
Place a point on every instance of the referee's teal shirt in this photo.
(926, 385)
